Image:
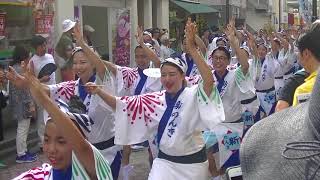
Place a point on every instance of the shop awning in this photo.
(194, 8)
(16, 2)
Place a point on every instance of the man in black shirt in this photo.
(287, 92)
(3, 103)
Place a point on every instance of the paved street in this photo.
(138, 159)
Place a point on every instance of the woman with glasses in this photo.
(233, 85)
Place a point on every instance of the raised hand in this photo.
(251, 43)
(139, 36)
(77, 33)
(30, 79)
(230, 31)
(15, 78)
(190, 31)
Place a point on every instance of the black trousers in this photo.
(3, 103)
(1, 128)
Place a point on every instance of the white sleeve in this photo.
(137, 117)
(62, 91)
(210, 107)
(244, 82)
(108, 86)
(124, 79)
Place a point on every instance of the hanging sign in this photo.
(43, 24)
(2, 24)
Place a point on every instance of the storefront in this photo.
(113, 22)
(205, 16)
(20, 20)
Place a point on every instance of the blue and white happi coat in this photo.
(192, 69)
(103, 127)
(264, 73)
(132, 81)
(138, 119)
(224, 140)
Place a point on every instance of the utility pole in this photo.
(227, 11)
(314, 10)
(280, 14)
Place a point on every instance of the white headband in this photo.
(178, 62)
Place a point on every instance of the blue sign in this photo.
(248, 118)
(232, 141)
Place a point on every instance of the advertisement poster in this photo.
(43, 24)
(306, 10)
(121, 37)
(2, 24)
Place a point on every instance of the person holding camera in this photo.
(3, 103)
(23, 108)
(41, 59)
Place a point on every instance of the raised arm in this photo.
(252, 45)
(234, 42)
(78, 143)
(20, 81)
(284, 42)
(203, 67)
(149, 52)
(111, 67)
(201, 45)
(92, 56)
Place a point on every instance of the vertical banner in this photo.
(305, 10)
(296, 19)
(121, 37)
(2, 24)
(44, 27)
(76, 13)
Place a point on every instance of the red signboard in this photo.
(43, 24)
(2, 23)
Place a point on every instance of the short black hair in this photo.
(20, 53)
(262, 44)
(138, 47)
(277, 41)
(155, 30)
(37, 40)
(310, 40)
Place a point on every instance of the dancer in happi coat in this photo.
(282, 53)
(71, 156)
(233, 85)
(263, 70)
(176, 117)
(132, 81)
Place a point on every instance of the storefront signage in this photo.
(2, 23)
(43, 24)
